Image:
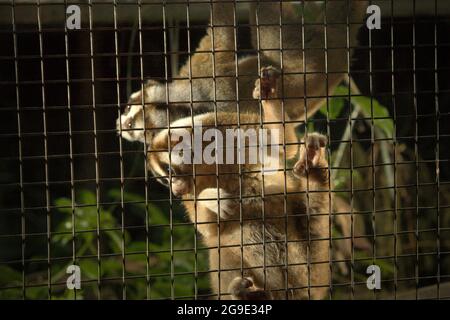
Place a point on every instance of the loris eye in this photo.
(128, 108)
(167, 168)
(130, 125)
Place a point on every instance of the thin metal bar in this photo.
(352, 193)
(214, 78)
(372, 151)
(19, 134)
(437, 155)
(360, 212)
(238, 110)
(146, 178)
(191, 106)
(214, 73)
(395, 222)
(132, 277)
(330, 198)
(366, 259)
(258, 56)
(416, 151)
(44, 121)
(171, 224)
(137, 179)
(122, 181)
(305, 101)
(108, 79)
(236, 68)
(69, 120)
(96, 153)
(285, 189)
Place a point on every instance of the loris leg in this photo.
(216, 46)
(275, 119)
(244, 289)
(315, 56)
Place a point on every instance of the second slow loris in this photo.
(314, 57)
(268, 235)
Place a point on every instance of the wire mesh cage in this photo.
(93, 206)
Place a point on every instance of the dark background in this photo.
(45, 148)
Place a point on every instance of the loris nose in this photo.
(122, 124)
(178, 191)
(127, 124)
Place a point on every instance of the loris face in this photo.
(167, 166)
(136, 122)
(131, 122)
(176, 177)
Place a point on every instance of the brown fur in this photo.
(274, 247)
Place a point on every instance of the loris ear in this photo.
(136, 97)
(136, 100)
(172, 137)
(155, 92)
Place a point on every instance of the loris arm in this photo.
(274, 115)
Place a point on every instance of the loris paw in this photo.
(266, 86)
(244, 289)
(312, 155)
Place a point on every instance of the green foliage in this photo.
(9, 277)
(370, 108)
(87, 226)
(336, 103)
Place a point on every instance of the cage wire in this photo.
(75, 193)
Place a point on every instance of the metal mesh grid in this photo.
(73, 192)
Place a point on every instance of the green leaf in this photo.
(9, 276)
(87, 197)
(64, 205)
(137, 246)
(380, 114)
(89, 268)
(116, 240)
(335, 104)
(379, 111)
(155, 213)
